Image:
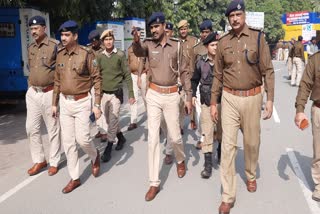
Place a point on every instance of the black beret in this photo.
(69, 25)
(156, 17)
(169, 26)
(206, 25)
(210, 38)
(235, 5)
(37, 20)
(94, 35)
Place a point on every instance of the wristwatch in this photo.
(97, 105)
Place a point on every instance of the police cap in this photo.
(235, 5)
(156, 17)
(169, 26)
(37, 20)
(206, 25)
(107, 33)
(212, 37)
(69, 25)
(94, 35)
(183, 23)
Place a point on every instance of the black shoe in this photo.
(132, 126)
(219, 153)
(106, 156)
(206, 172)
(121, 141)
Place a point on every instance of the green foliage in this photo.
(194, 11)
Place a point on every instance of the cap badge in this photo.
(34, 21)
(239, 7)
(158, 20)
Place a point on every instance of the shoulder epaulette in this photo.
(174, 39)
(223, 35)
(199, 42)
(255, 28)
(85, 48)
(54, 41)
(32, 43)
(316, 53)
(60, 48)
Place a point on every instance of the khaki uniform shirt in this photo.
(310, 83)
(197, 51)
(298, 50)
(233, 69)
(96, 51)
(136, 64)
(187, 46)
(76, 71)
(163, 62)
(42, 60)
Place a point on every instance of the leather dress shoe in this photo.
(103, 138)
(152, 192)
(168, 159)
(181, 132)
(193, 125)
(199, 145)
(132, 126)
(73, 184)
(316, 195)
(98, 135)
(96, 165)
(52, 170)
(36, 168)
(181, 169)
(225, 207)
(252, 186)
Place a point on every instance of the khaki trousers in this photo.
(110, 106)
(101, 123)
(315, 168)
(168, 106)
(297, 71)
(75, 127)
(208, 127)
(39, 106)
(134, 107)
(239, 113)
(290, 65)
(169, 145)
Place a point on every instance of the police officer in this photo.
(290, 57)
(310, 84)
(75, 72)
(167, 70)
(169, 29)
(97, 47)
(136, 63)
(203, 74)
(114, 69)
(42, 60)
(199, 50)
(242, 63)
(298, 62)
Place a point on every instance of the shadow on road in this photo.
(305, 165)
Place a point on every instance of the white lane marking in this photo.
(15, 189)
(315, 209)
(275, 115)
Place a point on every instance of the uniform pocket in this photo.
(228, 55)
(154, 59)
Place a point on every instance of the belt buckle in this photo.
(163, 90)
(38, 89)
(241, 93)
(69, 97)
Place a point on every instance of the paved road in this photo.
(123, 182)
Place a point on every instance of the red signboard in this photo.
(298, 18)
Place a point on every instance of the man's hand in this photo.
(136, 36)
(55, 113)
(268, 110)
(132, 101)
(299, 117)
(188, 107)
(194, 100)
(214, 113)
(97, 112)
(139, 82)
